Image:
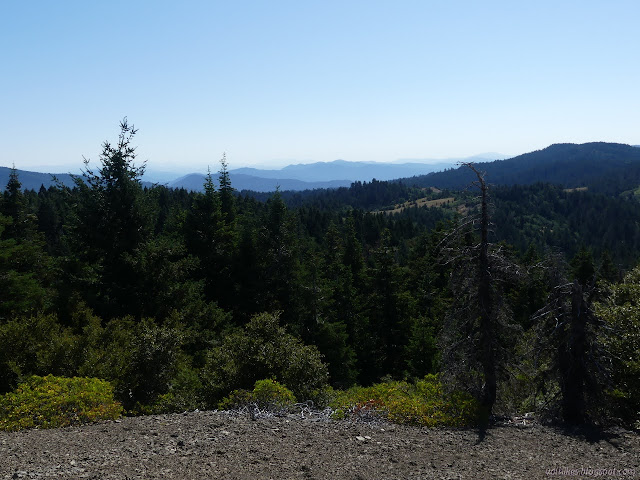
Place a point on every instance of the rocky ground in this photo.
(211, 445)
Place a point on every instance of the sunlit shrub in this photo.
(49, 402)
(621, 337)
(267, 394)
(424, 403)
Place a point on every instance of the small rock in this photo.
(360, 439)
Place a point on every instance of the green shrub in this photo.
(139, 358)
(50, 402)
(424, 403)
(36, 345)
(621, 338)
(266, 394)
(263, 350)
(184, 391)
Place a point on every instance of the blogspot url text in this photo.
(591, 472)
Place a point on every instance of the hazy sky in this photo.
(275, 82)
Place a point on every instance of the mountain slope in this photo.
(33, 180)
(195, 181)
(346, 171)
(606, 167)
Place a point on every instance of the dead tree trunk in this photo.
(477, 331)
(485, 304)
(572, 360)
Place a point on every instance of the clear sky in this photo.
(274, 82)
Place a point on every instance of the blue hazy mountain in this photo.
(334, 174)
(345, 171)
(239, 181)
(33, 180)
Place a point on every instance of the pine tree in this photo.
(210, 238)
(14, 206)
(110, 223)
(227, 203)
(279, 262)
(25, 268)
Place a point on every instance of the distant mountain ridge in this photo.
(33, 180)
(345, 171)
(339, 173)
(607, 167)
(239, 181)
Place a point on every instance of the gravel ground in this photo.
(211, 445)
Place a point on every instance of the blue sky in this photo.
(277, 82)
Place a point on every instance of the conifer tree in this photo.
(280, 272)
(227, 203)
(110, 223)
(25, 268)
(14, 206)
(210, 238)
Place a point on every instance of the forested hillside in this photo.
(179, 298)
(609, 168)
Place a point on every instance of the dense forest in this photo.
(178, 298)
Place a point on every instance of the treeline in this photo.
(177, 297)
(544, 215)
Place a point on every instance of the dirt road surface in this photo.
(212, 445)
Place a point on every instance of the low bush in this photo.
(424, 403)
(140, 359)
(184, 392)
(36, 345)
(266, 394)
(621, 338)
(50, 402)
(263, 350)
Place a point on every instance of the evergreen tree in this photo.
(388, 311)
(279, 263)
(336, 311)
(110, 223)
(26, 270)
(227, 202)
(247, 276)
(210, 239)
(14, 206)
(607, 270)
(428, 281)
(583, 267)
